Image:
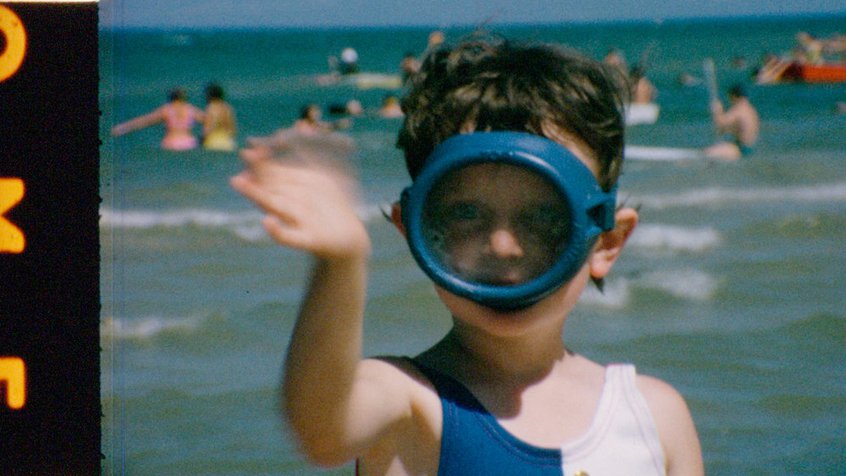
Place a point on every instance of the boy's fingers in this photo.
(254, 155)
(275, 229)
(283, 234)
(247, 187)
(239, 182)
(295, 147)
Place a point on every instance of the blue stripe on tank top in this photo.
(473, 442)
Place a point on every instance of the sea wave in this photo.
(245, 224)
(145, 219)
(675, 238)
(691, 284)
(718, 196)
(686, 284)
(146, 328)
(615, 294)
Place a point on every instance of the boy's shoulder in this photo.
(414, 437)
(671, 416)
(657, 392)
(392, 368)
(399, 377)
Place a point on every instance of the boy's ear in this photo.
(396, 217)
(610, 244)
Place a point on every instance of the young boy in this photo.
(510, 238)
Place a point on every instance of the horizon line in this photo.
(633, 21)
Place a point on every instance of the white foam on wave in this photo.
(686, 284)
(717, 196)
(689, 284)
(251, 233)
(246, 224)
(675, 238)
(146, 328)
(145, 219)
(615, 294)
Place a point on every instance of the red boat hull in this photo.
(815, 73)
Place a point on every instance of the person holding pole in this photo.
(738, 127)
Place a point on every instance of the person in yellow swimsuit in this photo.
(219, 126)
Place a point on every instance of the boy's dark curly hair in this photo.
(488, 83)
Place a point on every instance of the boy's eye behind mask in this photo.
(504, 218)
(495, 224)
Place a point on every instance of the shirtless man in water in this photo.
(740, 123)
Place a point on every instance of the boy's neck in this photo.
(477, 358)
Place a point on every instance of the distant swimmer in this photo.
(436, 38)
(349, 61)
(740, 123)
(178, 116)
(409, 66)
(219, 125)
(642, 108)
(311, 121)
(354, 107)
(351, 108)
(687, 79)
(643, 91)
(809, 48)
(615, 58)
(390, 108)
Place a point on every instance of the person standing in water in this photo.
(740, 124)
(219, 124)
(178, 116)
(643, 91)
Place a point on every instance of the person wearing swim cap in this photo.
(514, 152)
(349, 61)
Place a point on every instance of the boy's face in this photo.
(503, 218)
(496, 224)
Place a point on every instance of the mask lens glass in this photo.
(495, 223)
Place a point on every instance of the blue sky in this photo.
(441, 13)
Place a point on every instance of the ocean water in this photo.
(731, 288)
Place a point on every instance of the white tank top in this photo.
(622, 439)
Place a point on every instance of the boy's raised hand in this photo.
(306, 186)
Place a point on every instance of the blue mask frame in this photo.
(591, 210)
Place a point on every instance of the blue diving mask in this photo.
(504, 218)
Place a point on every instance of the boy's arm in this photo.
(675, 427)
(336, 403)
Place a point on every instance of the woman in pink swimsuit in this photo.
(178, 116)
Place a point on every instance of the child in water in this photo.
(514, 152)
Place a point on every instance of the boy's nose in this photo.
(504, 244)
